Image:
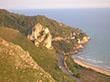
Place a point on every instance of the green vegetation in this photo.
(15, 68)
(65, 46)
(71, 66)
(41, 55)
(25, 23)
(47, 59)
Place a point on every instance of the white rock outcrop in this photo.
(40, 34)
(85, 39)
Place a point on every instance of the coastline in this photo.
(97, 69)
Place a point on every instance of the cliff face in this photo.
(17, 65)
(40, 34)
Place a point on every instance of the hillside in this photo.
(71, 36)
(25, 23)
(47, 59)
(16, 65)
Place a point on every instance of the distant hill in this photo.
(25, 23)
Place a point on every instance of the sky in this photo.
(45, 4)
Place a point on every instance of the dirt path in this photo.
(61, 62)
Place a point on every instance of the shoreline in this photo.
(97, 69)
(88, 66)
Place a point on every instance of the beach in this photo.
(97, 69)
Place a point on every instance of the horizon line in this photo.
(54, 8)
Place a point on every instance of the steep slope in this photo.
(47, 59)
(16, 65)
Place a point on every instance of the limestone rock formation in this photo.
(85, 39)
(40, 34)
(15, 63)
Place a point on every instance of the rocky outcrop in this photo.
(40, 34)
(14, 61)
(79, 47)
(85, 39)
(71, 44)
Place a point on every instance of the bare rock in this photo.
(40, 34)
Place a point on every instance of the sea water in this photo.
(94, 21)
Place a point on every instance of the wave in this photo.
(93, 62)
(90, 60)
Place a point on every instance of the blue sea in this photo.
(94, 21)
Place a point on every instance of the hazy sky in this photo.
(41, 4)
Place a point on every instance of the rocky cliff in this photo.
(40, 34)
(71, 44)
(16, 65)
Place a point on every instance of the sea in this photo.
(94, 21)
